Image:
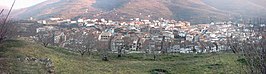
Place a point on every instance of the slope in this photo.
(250, 8)
(65, 62)
(58, 8)
(190, 10)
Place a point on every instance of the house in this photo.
(189, 37)
(73, 22)
(174, 49)
(50, 22)
(182, 25)
(60, 38)
(117, 43)
(135, 41)
(89, 24)
(45, 28)
(42, 22)
(80, 20)
(155, 30)
(196, 38)
(105, 36)
(168, 34)
(55, 19)
(134, 45)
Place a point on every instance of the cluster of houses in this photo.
(147, 36)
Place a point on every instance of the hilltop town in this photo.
(139, 35)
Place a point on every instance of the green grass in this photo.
(72, 63)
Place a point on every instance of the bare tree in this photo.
(252, 51)
(163, 50)
(126, 45)
(89, 42)
(145, 48)
(152, 47)
(127, 41)
(45, 37)
(120, 49)
(102, 47)
(105, 53)
(81, 42)
(6, 25)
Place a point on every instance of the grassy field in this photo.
(66, 62)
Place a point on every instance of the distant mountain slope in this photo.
(259, 2)
(243, 7)
(58, 8)
(193, 10)
(190, 10)
(108, 5)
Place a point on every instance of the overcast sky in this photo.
(20, 3)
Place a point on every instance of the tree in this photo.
(127, 41)
(126, 45)
(89, 42)
(81, 42)
(102, 47)
(45, 37)
(109, 43)
(146, 48)
(163, 50)
(6, 26)
(120, 48)
(251, 51)
(152, 47)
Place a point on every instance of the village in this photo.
(140, 35)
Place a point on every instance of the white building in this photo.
(104, 36)
(73, 22)
(80, 20)
(55, 19)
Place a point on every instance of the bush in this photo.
(159, 71)
(242, 60)
(213, 66)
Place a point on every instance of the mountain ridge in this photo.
(190, 10)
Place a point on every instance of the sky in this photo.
(19, 3)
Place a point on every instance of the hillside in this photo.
(21, 57)
(57, 8)
(190, 10)
(259, 2)
(242, 7)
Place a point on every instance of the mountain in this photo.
(57, 8)
(190, 10)
(243, 7)
(259, 2)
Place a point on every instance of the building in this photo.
(105, 36)
(117, 43)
